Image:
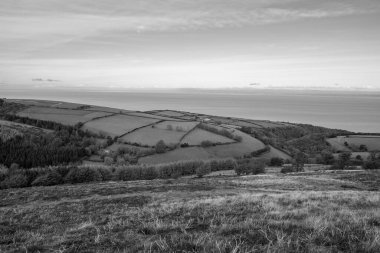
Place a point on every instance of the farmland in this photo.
(63, 116)
(353, 142)
(118, 124)
(246, 146)
(170, 132)
(190, 153)
(195, 137)
(186, 135)
(304, 212)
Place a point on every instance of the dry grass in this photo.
(308, 212)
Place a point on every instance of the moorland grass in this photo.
(231, 214)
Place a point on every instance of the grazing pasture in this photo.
(354, 141)
(246, 146)
(151, 135)
(150, 115)
(302, 212)
(116, 146)
(179, 154)
(170, 113)
(274, 152)
(267, 124)
(196, 136)
(63, 116)
(117, 125)
(179, 126)
(337, 144)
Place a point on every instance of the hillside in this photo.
(185, 135)
(303, 212)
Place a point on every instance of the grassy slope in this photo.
(317, 212)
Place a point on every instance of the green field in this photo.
(118, 124)
(63, 116)
(354, 141)
(190, 153)
(246, 146)
(150, 135)
(305, 212)
(198, 135)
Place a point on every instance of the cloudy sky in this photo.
(190, 43)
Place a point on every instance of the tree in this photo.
(300, 159)
(160, 147)
(169, 127)
(276, 161)
(327, 157)
(206, 143)
(344, 159)
(1, 102)
(203, 170)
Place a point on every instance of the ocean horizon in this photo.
(356, 111)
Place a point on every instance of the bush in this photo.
(184, 145)
(83, 175)
(260, 151)
(288, 169)
(250, 166)
(149, 173)
(371, 165)
(4, 172)
(206, 143)
(203, 170)
(15, 181)
(63, 170)
(276, 161)
(105, 173)
(227, 164)
(129, 173)
(108, 160)
(160, 147)
(51, 178)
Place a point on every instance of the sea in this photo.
(357, 111)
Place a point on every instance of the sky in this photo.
(329, 44)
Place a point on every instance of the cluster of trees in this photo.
(67, 144)
(373, 162)
(15, 176)
(177, 128)
(43, 150)
(304, 138)
(223, 132)
(248, 166)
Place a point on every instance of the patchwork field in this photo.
(150, 135)
(150, 115)
(63, 116)
(190, 153)
(303, 212)
(196, 136)
(246, 146)
(338, 145)
(170, 113)
(118, 124)
(371, 142)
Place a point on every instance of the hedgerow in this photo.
(55, 175)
